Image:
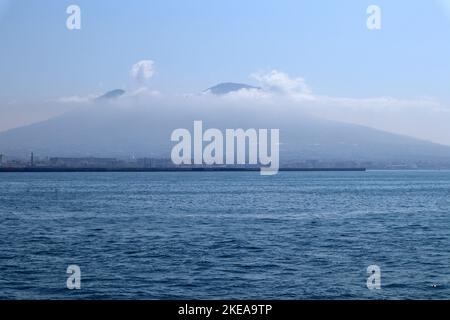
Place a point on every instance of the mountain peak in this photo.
(227, 87)
(113, 94)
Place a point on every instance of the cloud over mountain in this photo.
(142, 127)
(281, 82)
(274, 93)
(142, 71)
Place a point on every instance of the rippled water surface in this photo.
(231, 235)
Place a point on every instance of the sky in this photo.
(182, 47)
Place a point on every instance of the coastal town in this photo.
(91, 162)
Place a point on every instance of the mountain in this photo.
(122, 130)
(228, 87)
(114, 94)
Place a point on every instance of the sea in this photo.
(225, 235)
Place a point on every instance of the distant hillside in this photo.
(123, 131)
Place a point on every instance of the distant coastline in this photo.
(53, 169)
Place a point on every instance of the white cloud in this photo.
(280, 82)
(75, 99)
(142, 71)
(381, 103)
(252, 93)
(276, 85)
(143, 91)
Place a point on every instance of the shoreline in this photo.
(50, 169)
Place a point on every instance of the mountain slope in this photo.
(109, 130)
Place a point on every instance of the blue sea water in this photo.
(225, 235)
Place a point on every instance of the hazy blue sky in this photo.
(196, 44)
